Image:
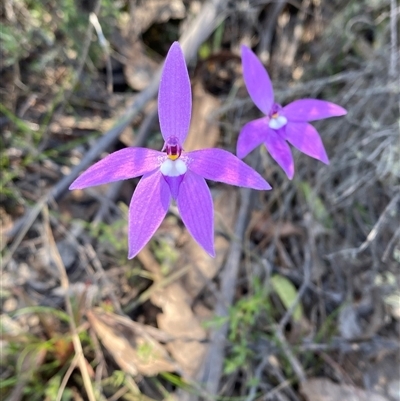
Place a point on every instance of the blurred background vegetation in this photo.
(302, 302)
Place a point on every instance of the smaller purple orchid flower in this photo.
(172, 173)
(281, 124)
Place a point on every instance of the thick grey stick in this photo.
(215, 356)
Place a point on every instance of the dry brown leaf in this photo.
(326, 390)
(134, 350)
(149, 262)
(179, 321)
(265, 228)
(204, 132)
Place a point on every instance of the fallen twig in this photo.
(65, 285)
(214, 362)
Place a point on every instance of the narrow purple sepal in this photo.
(311, 109)
(120, 165)
(196, 209)
(252, 135)
(280, 151)
(305, 137)
(257, 81)
(148, 207)
(222, 166)
(175, 96)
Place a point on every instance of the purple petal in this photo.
(257, 81)
(175, 96)
(252, 135)
(220, 165)
(120, 165)
(311, 109)
(280, 151)
(174, 183)
(196, 209)
(305, 137)
(148, 207)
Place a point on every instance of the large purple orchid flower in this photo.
(281, 124)
(172, 173)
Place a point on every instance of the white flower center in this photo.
(277, 122)
(173, 168)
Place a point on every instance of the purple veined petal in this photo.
(196, 209)
(222, 166)
(175, 96)
(280, 151)
(174, 184)
(148, 207)
(120, 165)
(257, 81)
(311, 109)
(252, 135)
(305, 137)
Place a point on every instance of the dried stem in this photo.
(65, 285)
(393, 40)
(106, 49)
(68, 373)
